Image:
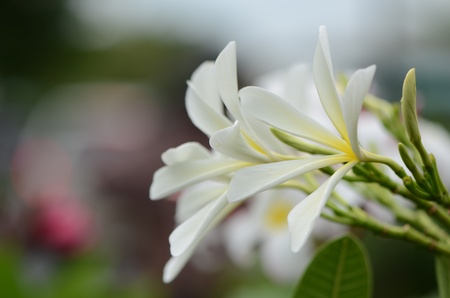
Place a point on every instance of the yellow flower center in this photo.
(276, 216)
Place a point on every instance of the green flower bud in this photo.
(409, 163)
(408, 103)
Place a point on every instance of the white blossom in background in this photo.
(258, 233)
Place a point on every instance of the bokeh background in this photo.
(92, 92)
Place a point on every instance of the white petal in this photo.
(174, 266)
(170, 179)
(185, 152)
(204, 81)
(226, 79)
(275, 111)
(302, 217)
(195, 197)
(354, 95)
(324, 79)
(279, 262)
(261, 136)
(192, 229)
(242, 235)
(203, 102)
(202, 115)
(251, 180)
(232, 143)
(177, 263)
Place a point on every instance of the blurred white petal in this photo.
(242, 232)
(280, 263)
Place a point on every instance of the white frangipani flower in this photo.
(343, 112)
(190, 167)
(247, 158)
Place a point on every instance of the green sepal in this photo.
(299, 144)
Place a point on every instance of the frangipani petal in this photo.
(231, 142)
(177, 263)
(204, 81)
(195, 197)
(353, 98)
(302, 217)
(202, 115)
(276, 112)
(185, 152)
(325, 84)
(191, 230)
(174, 266)
(251, 180)
(226, 79)
(203, 102)
(170, 179)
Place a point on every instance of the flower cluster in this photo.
(261, 141)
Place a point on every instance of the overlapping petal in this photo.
(251, 180)
(277, 112)
(226, 79)
(170, 179)
(177, 263)
(204, 81)
(197, 225)
(203, 103)
(196, 197)
(302, 217)
(187, 232)
(232, 143)
(174, 266)
(185, 152)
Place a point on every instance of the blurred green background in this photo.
(92, 92)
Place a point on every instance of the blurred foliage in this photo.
(83, 276)
(43, 46)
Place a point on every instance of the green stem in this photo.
(358, 217)
(398, 170)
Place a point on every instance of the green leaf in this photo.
(443, 275)
(339, 269)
